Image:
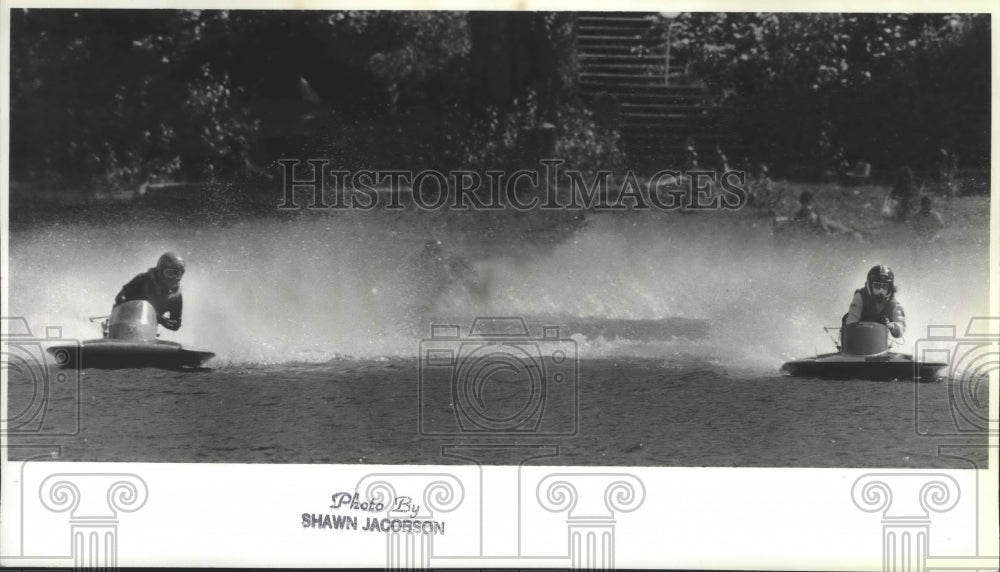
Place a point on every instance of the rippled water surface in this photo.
(632, 411)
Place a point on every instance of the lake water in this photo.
(676, 325)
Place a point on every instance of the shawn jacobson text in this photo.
(338, 522)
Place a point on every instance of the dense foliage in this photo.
(891, 89)
(115, 98)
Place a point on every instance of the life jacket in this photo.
(869, 307)
(147, 286)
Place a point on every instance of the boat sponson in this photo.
(885, 367)
(115, 354)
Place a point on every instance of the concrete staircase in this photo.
(624, 75)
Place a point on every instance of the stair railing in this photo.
(670, 29)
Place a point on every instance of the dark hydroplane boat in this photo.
(130, 341)
(863, 353)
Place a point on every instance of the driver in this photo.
(161, 287)
(876, 302)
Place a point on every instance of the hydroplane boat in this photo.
(863, 352)
(130, 341)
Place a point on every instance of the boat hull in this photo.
(886, 367)
(116, 354)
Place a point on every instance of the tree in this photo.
(516, 53)
(890, 88)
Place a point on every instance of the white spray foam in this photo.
(315, 288)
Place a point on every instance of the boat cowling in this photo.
(864, 339)
(133, 321)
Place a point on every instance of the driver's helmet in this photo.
(880, 282)
(170, 267)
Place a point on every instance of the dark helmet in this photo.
(170, 267)
(880, 282)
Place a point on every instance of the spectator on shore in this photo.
(928, 222)
(898, 201)
(806, 217)
(759, 188)
(832, 159)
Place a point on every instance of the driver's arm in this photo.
(854, 312)
(174, 321)
(130, 291)
(897, 326)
